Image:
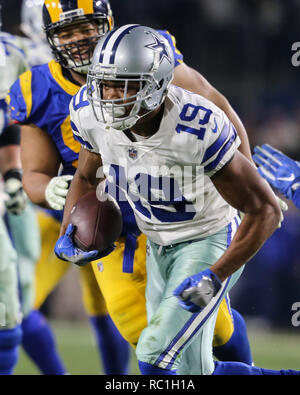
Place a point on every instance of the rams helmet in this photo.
(58, 14)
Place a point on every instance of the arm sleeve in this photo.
(220, 143)
(19, 99)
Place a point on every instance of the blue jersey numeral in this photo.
(79, 99)
(184, 116)
(146, 185)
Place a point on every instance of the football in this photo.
(98, 221)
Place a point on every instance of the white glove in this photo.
(15, 199)
(56, 191)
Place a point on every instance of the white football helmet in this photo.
(130, 53)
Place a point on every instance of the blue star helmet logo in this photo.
(160, 47)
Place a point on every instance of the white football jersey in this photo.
(166, 176)
(37, 52)
(12, 62)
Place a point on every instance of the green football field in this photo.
(274, 350)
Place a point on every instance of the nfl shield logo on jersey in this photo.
(133, 154)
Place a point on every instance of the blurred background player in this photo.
(30, 36)
(19, 232)
(232, 343)
(38, 339)
(35, 42)
(36, 49)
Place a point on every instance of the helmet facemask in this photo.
(115, 112)
(121, 113)
(72, 55)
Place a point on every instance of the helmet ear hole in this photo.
(160, 84)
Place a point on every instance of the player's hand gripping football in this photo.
(16, 199)
(197, 291)
(66, 250)
(279, 170)
(56, 191)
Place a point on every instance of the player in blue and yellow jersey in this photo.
(39, 100)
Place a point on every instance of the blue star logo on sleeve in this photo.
(160, 47)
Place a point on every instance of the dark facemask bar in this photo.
(64, 53)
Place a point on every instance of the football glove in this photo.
(56, 191)
(66, 250)
(195, 292)
(15, 197)
(281, 172)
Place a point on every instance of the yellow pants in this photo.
(122, 295)
(50, 270)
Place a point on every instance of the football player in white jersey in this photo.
(20, 218)
(34, 44)
(173, 155)
(230, 334)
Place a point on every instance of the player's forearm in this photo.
(34, 184)
(241, 186)
(254, 230)
(79, 187)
